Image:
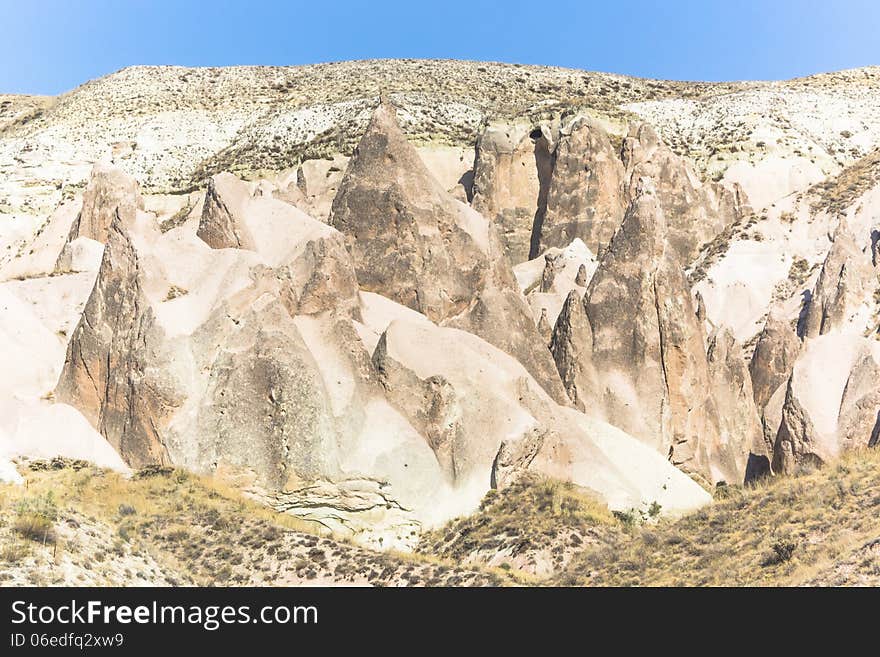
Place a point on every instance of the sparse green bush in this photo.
(35, 518)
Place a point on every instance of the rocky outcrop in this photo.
(572, 345)
(859, 418)
(514, 458)
(653, 378)
(585, 198)
(633, 354)
(830, 402)
(409, 240)
(696, 211)
(112, 353)
(177, 377)
(361, 509)
(845, 283)
(431, 405)
(499, 424)
(741, 437)
(773, 359)
(110, 192)
(222, 224)
(547, 280)
(415, 244)
(511, 174)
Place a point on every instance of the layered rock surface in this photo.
(634, 352)
(585, 197)
(413, 243)
(511, 177)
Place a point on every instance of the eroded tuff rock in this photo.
(547, 280)
(585, 198)
(741, 438)
(515, 457)
(831, 401)
(177, 376)
(493, 419)
(846, 282)
(773, 359)
(364, 509)
(415, 244)
(572, 347)
(695, 211)
(635, 355)
(859, 418)
(332, 404)
(112, 355)
(647, 343)
(511, 176)
(110, 192)
(222, 224)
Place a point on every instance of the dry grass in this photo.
(818, 527)
(786, 531)
(839, 192)
(528, 529)
(201, 531)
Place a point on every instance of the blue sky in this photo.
(50, 46)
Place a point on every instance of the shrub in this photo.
(783, 550)
(13, 552)
(36, 517)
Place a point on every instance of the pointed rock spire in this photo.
(648, 347)
(222, 225)
(414, 243)
(109, 192)
(585, 198)
(773, 359)
(571, 345)
(845, 281)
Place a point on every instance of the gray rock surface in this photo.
(415, 244)
(585, 198)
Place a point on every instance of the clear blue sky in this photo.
(50, 46)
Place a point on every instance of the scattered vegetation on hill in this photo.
(818, 527)
(837, 193)
(76, 524)
(532, 528)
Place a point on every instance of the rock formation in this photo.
(741, 435)
(846, 280)
(413, 243)
(696, 212)
(774, 357)
(547, 280)
(572, 347)
(511, 173)
(106, 369)
(585, 198)
(635, 355)
(831, 402)
(110, 192)
(222, 224)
